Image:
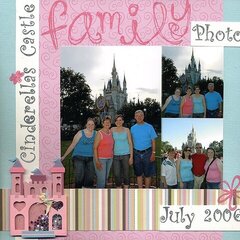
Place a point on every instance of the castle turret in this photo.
(58, 177)
(17, 172)
(124, 84)
(109, 85)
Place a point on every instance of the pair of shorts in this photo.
(212, 113)
(142, 164)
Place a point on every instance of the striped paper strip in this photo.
(117, 209)
(132, 209)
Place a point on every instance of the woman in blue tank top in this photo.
(172, 105)
(184, 170)
(123, 152)
(82, 157)
(199, 104)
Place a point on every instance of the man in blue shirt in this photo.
(143, 135)
(213, 102)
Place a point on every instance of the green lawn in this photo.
(69, 176)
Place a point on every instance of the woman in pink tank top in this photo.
(214, 174)
(103, 152)
(186, 107)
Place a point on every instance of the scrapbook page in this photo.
(114, 113)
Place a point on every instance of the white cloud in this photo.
(141, 66)
(211, 59)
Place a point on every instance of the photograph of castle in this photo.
(109, 78)
(192, 82)
(106, 81)
(192, 153)
(181, 133)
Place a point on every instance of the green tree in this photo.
(170, 79)
(151, 109)
(76, 102)
(218, 147)
(165, 146)
(218, 85)
(152, 112)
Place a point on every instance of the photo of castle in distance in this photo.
(192, 82)
(190, 146)
(111, 116)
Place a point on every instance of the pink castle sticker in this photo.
(38, 208)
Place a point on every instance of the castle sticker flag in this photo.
(215, 34)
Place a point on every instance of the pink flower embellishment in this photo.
(231, 193)
(17, 77)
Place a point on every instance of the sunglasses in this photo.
(187, 150)
(199, 147)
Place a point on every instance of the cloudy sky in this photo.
(211, 59)
(175, 131)
(141, 66)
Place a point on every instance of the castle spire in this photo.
(193, 62)
(114, 65)
(114, 74)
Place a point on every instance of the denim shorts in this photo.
(142, 164)
(212, 113)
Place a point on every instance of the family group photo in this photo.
(111, 117)
(193, 153)
(192, 82)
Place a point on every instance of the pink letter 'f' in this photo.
(51, 22)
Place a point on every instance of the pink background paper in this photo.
(173, 32)
(209, 10)
(142, 235)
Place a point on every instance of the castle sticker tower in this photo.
(38, 208)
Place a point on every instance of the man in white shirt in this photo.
(169, 171)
